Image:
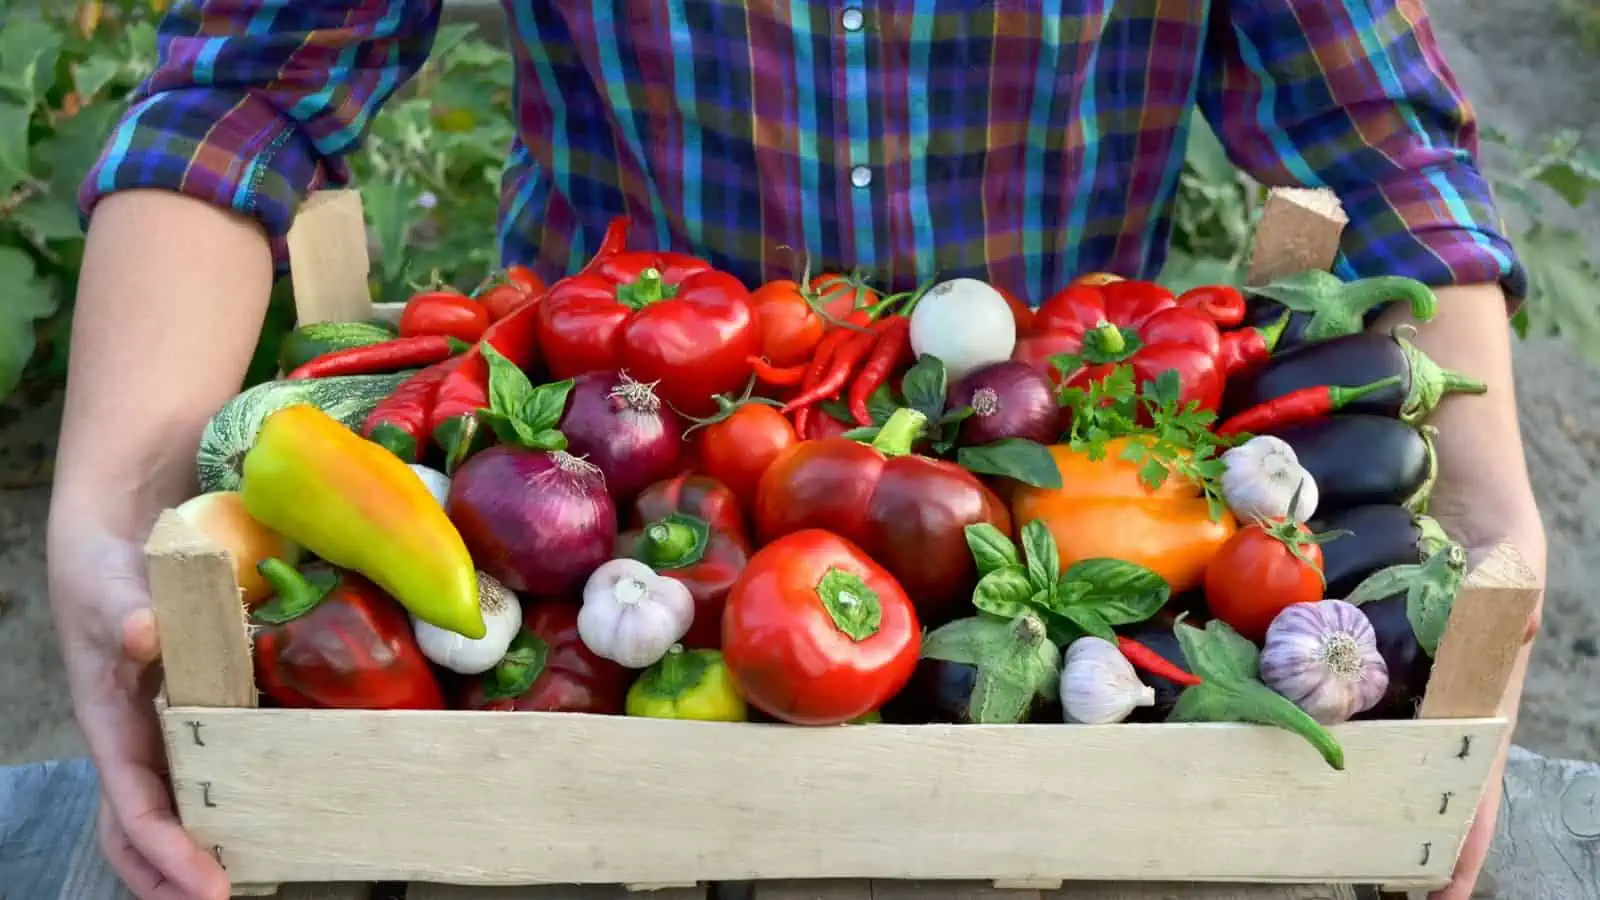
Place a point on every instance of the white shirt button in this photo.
(851, 19)
(860, 176)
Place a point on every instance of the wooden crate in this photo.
(485, 799)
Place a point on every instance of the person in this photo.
(1021, 142)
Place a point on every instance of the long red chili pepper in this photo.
(387, 356)
(1143, 657)
(894, 340)
(401, 422)
(820, 361)
(1223, 303)
(782, 376)
(1247, 348)
(1300, 406)
(856, 345)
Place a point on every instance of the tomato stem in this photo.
(900, 432)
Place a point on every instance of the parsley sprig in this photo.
(1176, 441)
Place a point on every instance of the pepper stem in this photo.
(297, 594)
(644, 290)
(516, 672)
(676, 541)
(1340, 397)
(1272, 334)
(1110, 337)
(900, 432)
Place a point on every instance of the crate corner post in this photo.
(200, 617)
(1299, 231)
(328, 259)
(1488, 623)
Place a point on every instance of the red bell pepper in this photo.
(548, 669)
(909, 512)
(663, 317)
(334, 640)
(1138, 323)
(454, 417)
(691, 529)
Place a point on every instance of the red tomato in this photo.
(816, 633)
(1256, 575)
(737, 450)
(787, 319)
(449, 313)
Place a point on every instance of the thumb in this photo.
(139, 639)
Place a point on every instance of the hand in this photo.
(108, 640)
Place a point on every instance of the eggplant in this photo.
(1409, 665)
(1355, 360)
(941, 691)
(1375, 537)
(1159, 636)
(1358, 460)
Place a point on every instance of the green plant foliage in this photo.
(1213, 217)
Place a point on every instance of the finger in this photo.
(1475, 849)
(139, 801)
(131, 868)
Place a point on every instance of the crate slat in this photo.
(344, 890)
(422, 890)
(491, 798)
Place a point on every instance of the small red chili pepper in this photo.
(454, 418)
(1299, 406)
(782, 376)
(1246, 349)
(894, 340)
(374, 359)
(1143, 657)
(820, 361)
(1223, 303)
(855, 346)
(400, 422)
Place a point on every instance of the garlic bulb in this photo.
(631, 615)
(1099, 685)
(1324, 657)
(1261, 479)
(502, 618)
(438, 483)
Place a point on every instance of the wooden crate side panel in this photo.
(1472, 670)
(479, 798)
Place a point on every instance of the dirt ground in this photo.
(1511, 59)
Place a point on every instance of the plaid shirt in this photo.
(1020, 141)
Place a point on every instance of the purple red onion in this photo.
(1009, 399)
(621, 426)
(537, 522)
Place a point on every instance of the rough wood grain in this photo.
(1472, 669)
(338, 890)
(330, 795)
(205, 648)
(328, 262)
(1548, 843)
(1299, 231)
(1190, 891)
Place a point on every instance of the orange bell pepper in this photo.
(1102, 509)
(359, 507)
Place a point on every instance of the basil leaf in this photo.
(926, 385)
(1044, 563)
(1121, 592)
(1016, 458)
(838, 411)
(509, 387)
(1231, 689)
(880, 405)
(1003, 592)
(544, 407)
(1084, 619)
(991, 549)
(511, 430)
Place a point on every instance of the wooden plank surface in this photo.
(442, 795)
(200, 616)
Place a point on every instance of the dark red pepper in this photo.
(549, 669)
(692, 529)
(1093, 328)
(386, 356)
(1303, 405)
(334, 640)
(401, 422)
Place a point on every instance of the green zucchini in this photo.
(308, 342)
(232, 431)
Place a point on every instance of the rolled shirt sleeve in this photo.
(254, 103)
(1355, 97)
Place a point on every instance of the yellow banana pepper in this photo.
(687, 684)
(358, 506)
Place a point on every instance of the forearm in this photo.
(170, 301)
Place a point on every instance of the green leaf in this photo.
(1044, 561)
(390, 206)
(16, 348)
(1016, 664)
(28, 52)
(51, 216)
(967, 641)
(991, 549)
(13, 146)
(1084, 619)
(926, 385)
(1016, 458)
(1003, 592)
(1122, 593)
(509, 387)
(1430, 590)
(24, 293)
(92, 75)
(1571, 179)
(1231, 689)
(544, 407)
(880, 404)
